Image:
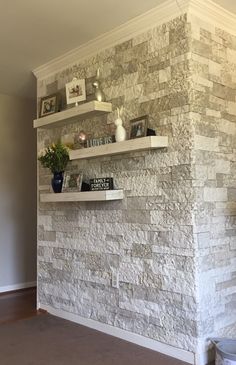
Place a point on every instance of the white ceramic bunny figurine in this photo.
(120, 134)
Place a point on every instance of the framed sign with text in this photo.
(94, 142)
(102, 183)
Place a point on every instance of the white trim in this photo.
(210, 12)
(154, 17)
(205, 353)
(202, 358)
(204, 9)
(4, 289)
(124, 335)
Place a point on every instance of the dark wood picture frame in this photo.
(138, 127)
(49, 105)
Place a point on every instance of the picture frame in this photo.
(138, 127)
(72, 181)
(49, 105)
(75, 91)
(101, 183)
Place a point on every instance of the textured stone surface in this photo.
(172, 239)
(214, 155)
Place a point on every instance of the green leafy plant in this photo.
(55, 157)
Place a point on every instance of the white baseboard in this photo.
(7, 288)
(124, 335)
(203, 358)
(205, 353)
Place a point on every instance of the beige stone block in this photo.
(227, 127)
(231, 55)
(114, 91)
(215, 68)
(201, 48)
(202, 81)
(196, 33)
(218, 100)
(131, 79)
(201, 172)
(206, 143)
(200, 59)
(158, 41)
(213, 113)
(215, 194)
(211, 172)
(45, 221)
(222, 166)
(181, 58)
(165, 75)
(133, 92)
(199, 88)
(143, 37)
(231, 108)
(232, 194)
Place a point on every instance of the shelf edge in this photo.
(93, 107)
(101, 195)
(132, 145)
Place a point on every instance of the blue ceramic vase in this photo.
(57, 182)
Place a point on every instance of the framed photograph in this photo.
(72, 181)
(49, 105)
(75, 91)
(138, 127)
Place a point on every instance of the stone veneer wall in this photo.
(148, 237)
(172, 239)
(213, 109)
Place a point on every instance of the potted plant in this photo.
(55, 158)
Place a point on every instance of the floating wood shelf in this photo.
(132, 145)
(74, 114)
(82, 196)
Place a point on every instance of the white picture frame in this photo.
(75, 91)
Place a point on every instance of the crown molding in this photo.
(154, 17)
(206, 10)
(210, 12)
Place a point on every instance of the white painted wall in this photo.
(17, 192)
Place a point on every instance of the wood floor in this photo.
(17, 305)
(22, 304)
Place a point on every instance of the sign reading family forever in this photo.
(103, 183)
(93, 142)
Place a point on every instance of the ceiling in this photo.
(34, 32)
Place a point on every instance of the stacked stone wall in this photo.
(213, 108)
(172, 240)
(148, 237)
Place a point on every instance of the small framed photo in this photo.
(75, 91)
(49, 105)
(138, 127)
(72, 181)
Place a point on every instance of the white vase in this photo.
(120, 134)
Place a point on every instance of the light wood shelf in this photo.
(84, 196)
(132, 145)
(90, 109)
